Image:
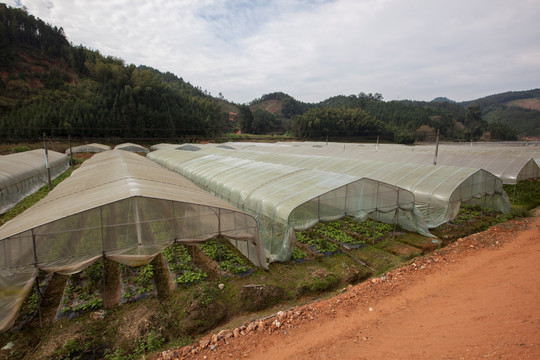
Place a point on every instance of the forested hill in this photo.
(505, 116)
(48, 85)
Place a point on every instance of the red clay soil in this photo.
(478, 298)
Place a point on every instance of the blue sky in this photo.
(314, 49)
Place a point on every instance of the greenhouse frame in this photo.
(117, 205)
(285, 199)
(438, 190)
(21, 174)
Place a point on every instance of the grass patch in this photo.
(525, 194)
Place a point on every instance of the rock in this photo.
(224, 334)
(280, 315)
(204, 343)
(252, 326)
(236, 333)
(166, 355)
(370, 309)
(221, 286)
(277, 324)
(214, 338)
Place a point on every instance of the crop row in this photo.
(323, 238)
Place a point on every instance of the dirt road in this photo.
(478, 298)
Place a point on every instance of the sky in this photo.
(315, 49)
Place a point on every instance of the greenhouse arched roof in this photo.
(119, 205)
(286, 198)
(23, 173)
(89, 148)
(511, 164)
(438, 190)
(131, 147)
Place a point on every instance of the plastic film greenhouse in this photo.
(23, 173)
(131, 147)
(438, 190)
(286, 198)
(89, 148)
(511, 164)
(117, 205)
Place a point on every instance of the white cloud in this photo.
(414, 49)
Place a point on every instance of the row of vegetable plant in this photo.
(82, 292)
(181, 265)
(229, 261)
(137, 282)
(351, 233)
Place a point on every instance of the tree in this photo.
(245, 119)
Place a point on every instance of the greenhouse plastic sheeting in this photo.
(438, 190)
(131, 147)
(511, 164)
(23, 173)
(89, 148)
(119, 205)
(285, 198)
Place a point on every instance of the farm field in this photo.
(191, 289)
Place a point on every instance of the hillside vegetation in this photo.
(49, 85)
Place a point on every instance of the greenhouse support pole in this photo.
(38, 293)
(138, 221)
(70, 151)
(436, 148)
(377, 145)
(47, 161)
(103, 252)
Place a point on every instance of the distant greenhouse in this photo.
(286, 198)
(511, 164)
(23, 173)
(89, 148)
(132, 148)
(118, 205)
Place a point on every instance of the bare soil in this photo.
(478, 298)
(532, 104)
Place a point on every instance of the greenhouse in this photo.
(89, 148)
(511, 164)
(438, 190)
(23, 173)
(132, 148)
(286, 198)
(117, 205)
